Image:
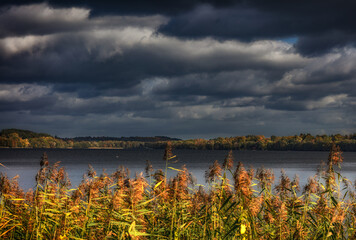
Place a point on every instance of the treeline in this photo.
(25, 134)
(301, 142)
(126, 139)
(14, 138)
(18, 138)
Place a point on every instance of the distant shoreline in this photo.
(17, 138)
(140, 149)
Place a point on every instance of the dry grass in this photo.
(249, 206)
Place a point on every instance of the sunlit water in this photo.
(25, 162)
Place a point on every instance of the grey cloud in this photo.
(124, 76)
(319, 25)
(124, 7)
(240, 23)
(316, 44)
(261, 121)
(222, 85)
(294, 104)
(43, 19)
(40, 19)
(126, 56)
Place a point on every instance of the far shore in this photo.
(145, 148)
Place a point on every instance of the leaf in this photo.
(93, 224)
(132, 226)
(226, 201)
(72, 237)
(7, 231)
(159, 183)
(137, 233)
(312, 218)
(333, 200)
(172, 157)
(148, 201)
(5, 223)
(231, 229)
(3, 166)
(243, 228)
(175, 169)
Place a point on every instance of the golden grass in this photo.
(248, 206)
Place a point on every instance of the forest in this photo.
(16, 138)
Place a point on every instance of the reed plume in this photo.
(117, 206)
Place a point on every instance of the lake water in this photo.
(25, 162)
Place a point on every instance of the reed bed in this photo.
(237, 203)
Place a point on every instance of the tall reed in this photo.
(238, 203)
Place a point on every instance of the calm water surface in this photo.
(25, 162)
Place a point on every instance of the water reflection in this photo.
(25, 162)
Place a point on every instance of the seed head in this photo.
(229, 161)
(265, 177)
(148, 169)
(243, 180)
(335, 155)
(168, 152)
(213, 172)
(44, 160)
(312, 186)
(91, 172)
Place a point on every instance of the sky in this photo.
(186, 69)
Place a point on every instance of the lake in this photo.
(25, 162)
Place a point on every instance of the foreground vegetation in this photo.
(237, 204)
(16, 138)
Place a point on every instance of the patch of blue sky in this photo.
(290, 40)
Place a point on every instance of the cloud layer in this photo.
(206, 70)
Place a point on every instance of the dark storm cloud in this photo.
(123, 56)
(137, 7)
(41, 18)
(96, 74)
(320, 43)
(320, 25)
